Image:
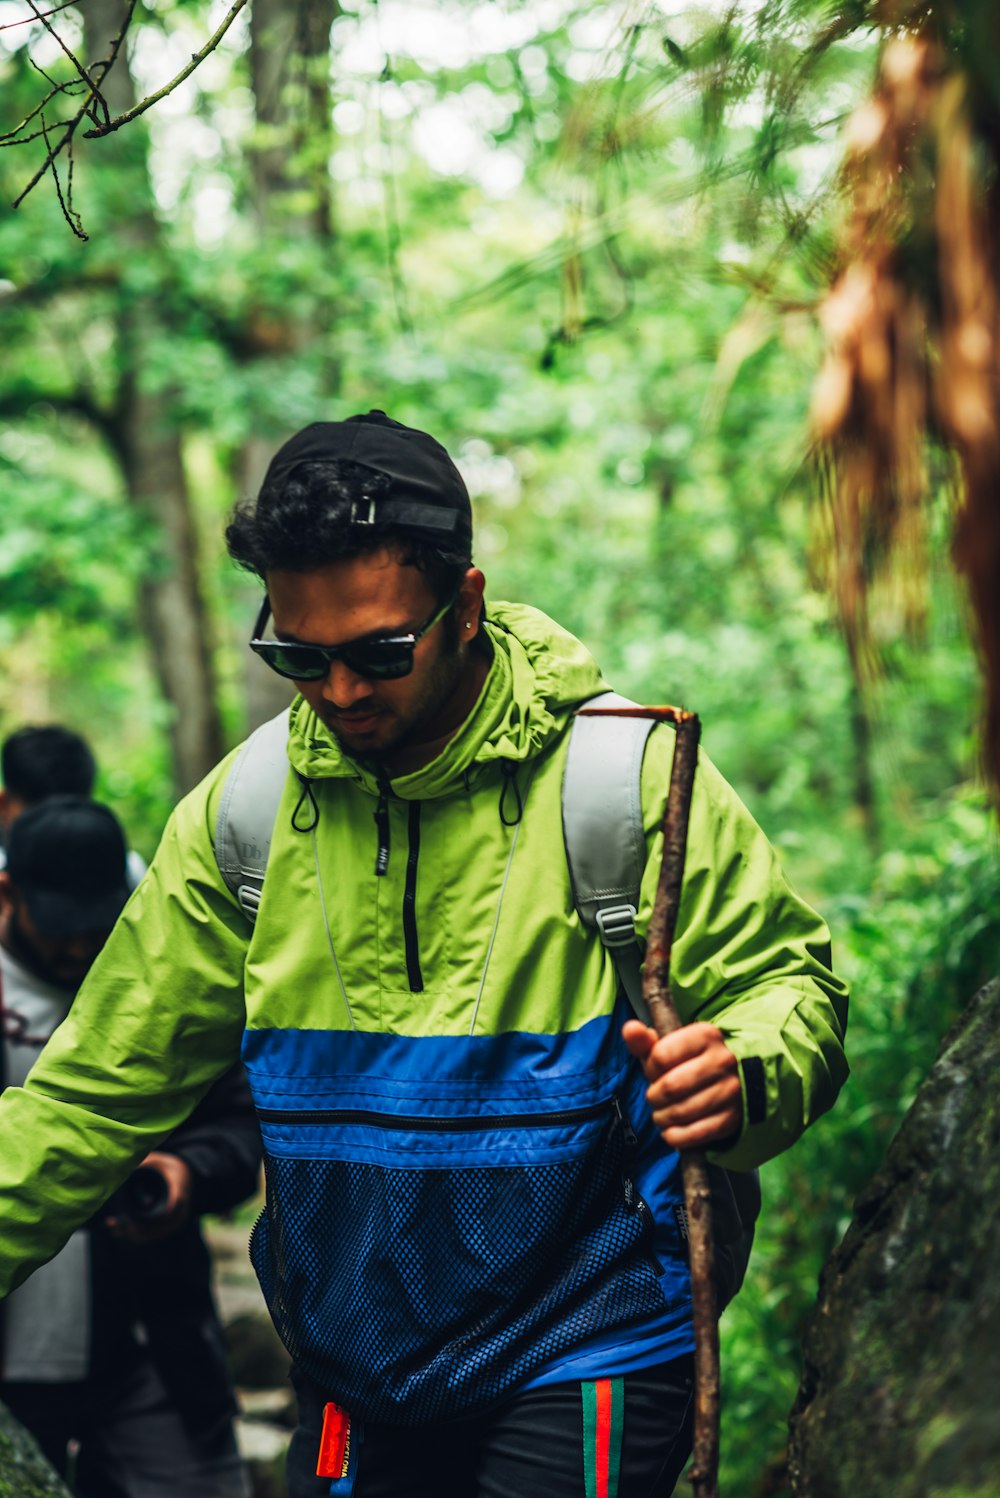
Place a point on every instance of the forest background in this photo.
(585, 245)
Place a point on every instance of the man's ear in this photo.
(470, 603)
(6, 890)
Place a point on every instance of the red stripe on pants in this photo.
(602, 1435)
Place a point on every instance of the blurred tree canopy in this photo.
(587, 247)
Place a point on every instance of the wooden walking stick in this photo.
(665, 1019)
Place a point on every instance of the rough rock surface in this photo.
(899, 1396)
(24, 1472)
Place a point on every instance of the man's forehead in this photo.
(363, 595)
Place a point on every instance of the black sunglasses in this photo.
(382, 657)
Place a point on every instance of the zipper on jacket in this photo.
(422, 1123)
(633, 1201)
(382, 826)
(413, 973)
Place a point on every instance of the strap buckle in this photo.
(616, 925)
(363, 512)
(249, 898)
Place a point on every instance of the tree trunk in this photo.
(148, 444)
(289, 74)
(290, 168)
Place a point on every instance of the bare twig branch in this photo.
(42, 131)
(65, 203)
(90, 103)
(54, 151)
(29, 20)
(53, 33)
(197, 58)
(9, 136)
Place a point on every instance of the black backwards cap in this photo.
(426, 494)
(66, 859)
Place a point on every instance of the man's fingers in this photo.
(705, 1133)
(722, 1098)
(694, 1089)
(639, 1038)
(684, 1045)
(692, 1077)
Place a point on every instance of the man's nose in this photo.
(344, 687)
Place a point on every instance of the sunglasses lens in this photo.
(297, 662)
(384, 660)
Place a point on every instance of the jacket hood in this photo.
(539, 674)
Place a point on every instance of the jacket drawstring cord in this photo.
(509, 770)
(306, 794)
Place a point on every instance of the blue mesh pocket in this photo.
(414, 1295)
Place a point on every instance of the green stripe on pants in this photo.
(603, 1426)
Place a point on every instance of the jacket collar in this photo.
(539, 674)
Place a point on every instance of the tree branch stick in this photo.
(665, 1019)
(92, 100)
(30, 20)
(196, 59)
(53, 33)
(697, 1194)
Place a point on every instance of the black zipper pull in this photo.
(631, 1137)
(413, 973)
(631, 1141)
(382, 824)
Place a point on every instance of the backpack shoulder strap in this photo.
(247, 811)
(603, 831)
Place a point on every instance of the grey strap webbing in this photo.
(247, 811)
(603, 832)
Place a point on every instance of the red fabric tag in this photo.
(334, 1443)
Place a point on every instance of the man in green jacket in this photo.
(474, 1239)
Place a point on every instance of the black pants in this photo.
(132, 1441)
(538, 1444)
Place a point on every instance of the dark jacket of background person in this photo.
(159, 1294)
(115, 1344)
(165, 1287)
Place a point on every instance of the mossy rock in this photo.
(24, 1472)
(902, 1360)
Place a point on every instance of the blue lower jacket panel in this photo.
(448, 1217)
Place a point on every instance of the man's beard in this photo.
(393, 733)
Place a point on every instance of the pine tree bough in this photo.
(665, 1019)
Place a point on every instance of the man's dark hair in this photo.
(38, 762)
(308, 519)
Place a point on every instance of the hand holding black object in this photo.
(153, 1203)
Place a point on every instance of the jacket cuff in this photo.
(754, 1085)
(742, 1150)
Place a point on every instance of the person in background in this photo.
(44, 760)
(113, 1349)
(37, 762)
